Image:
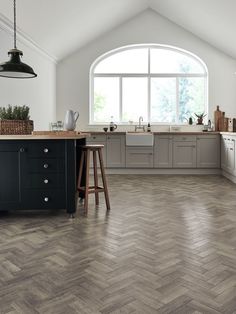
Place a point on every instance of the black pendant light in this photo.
(14, 68)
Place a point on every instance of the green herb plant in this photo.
(14, 113)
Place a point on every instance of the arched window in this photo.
(163, 84)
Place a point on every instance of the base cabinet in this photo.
(228, 154)
(208, 151)
(115, 151)
(139, 157)
(184, 152)
(11, 172)
(163, 151)
(38, 174)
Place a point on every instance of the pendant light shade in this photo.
(14, 68)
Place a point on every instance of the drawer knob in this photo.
(45, 150)
(46, 181)
(45, 166)
(46, 199)
(22, 150)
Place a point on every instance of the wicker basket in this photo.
(15, 127)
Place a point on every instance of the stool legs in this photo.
(95, 173)
(104, 179)
(85, 159)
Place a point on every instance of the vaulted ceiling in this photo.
(61, 26)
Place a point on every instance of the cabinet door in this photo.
(10, 175)
(184, 154)
(208, 151)
(230, 157)
(224, 153)
(139, 157)
(116, 151)
(163, 151)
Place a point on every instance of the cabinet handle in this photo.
(45, 166)
(45, 150)
(46, 181)
(22, 150)
(94, 137)
(231, 148)
(233, 140)
(46, 199)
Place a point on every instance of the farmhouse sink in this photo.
(139, 139)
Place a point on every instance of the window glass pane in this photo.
(134, 95)
(128, 61)
(170, 61)
(106, 99)
(163, 100)
(191, 97)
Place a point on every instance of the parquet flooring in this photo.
(168, 245)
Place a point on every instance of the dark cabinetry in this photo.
(38, 174)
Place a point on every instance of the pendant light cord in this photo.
(14, 5)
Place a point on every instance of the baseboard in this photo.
(162, 171)
(229, 176)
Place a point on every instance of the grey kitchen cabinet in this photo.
(184, 151)
(208, 151)
(139, 157)
(228, 154)
(163, 151)
(115, 151)
(98, 139)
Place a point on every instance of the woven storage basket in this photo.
(15, 127)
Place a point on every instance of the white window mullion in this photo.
(121, 99)
(149, 86)
(177, 100)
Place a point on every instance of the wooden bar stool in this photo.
(86, 190)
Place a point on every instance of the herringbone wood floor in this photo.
(167, 246)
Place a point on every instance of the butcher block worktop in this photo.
(46, 136)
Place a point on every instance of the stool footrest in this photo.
(91, 189)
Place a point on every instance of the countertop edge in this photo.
(156, 133)
(44, 137)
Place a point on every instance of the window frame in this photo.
(149, 76)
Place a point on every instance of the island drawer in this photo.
(44, 180)
(46, 149)
(43, 199)
(45, 165)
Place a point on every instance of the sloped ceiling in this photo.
(61, 26)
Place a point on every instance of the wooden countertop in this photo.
(155, 133)
(44, 137)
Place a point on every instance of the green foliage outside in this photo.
(99, 105)
(14, 113)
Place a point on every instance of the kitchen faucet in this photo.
(139, 126)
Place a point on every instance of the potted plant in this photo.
(200, 118)
(15, 120)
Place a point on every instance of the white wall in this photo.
(38, 93)
(148, 27)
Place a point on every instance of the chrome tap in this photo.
(140, 126)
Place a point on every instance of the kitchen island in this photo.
(39, 171)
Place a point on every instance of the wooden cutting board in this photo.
(56, 133)
(217, 118)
